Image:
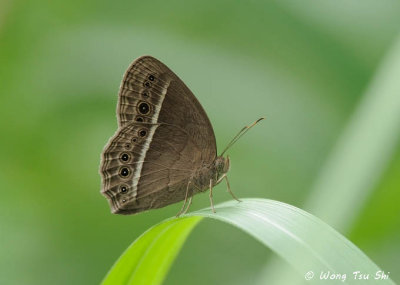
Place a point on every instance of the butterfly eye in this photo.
(151, 77)
(144, 108)
(123, 189)
(124, 172)
(147, 84)
(125, 157)
(142, 133)
(139, 119)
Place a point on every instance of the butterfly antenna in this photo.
(240, 134)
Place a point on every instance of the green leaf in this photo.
(281, 227)
(148, 259)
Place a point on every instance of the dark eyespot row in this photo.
(124, 172)
(147, 84)
(144, 109)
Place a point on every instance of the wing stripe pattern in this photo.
(154, 119)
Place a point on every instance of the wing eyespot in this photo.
(145, 94)
(127, 146)
(139, 119)
(147, 84)
(124, 172)
(125, 157)
(143, 108)
(123, 188)
(151, 77)
(142, 132)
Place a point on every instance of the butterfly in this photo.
(164, 150)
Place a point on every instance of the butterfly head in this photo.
(222, 165)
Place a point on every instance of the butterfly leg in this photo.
(191, 197)
(184, 202)
(189, 204)
(220, 179)
(211, 197)
(229, 189)
(228, 186)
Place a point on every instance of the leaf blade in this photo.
(289, 231)
(145, 261)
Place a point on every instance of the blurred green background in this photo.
(305, 65)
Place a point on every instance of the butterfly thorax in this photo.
(212, 172)
(222, 166)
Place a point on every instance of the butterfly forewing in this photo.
(172, 135)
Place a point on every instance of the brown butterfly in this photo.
(164, 150)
